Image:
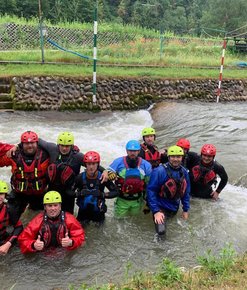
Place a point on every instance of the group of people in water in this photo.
(47, 176)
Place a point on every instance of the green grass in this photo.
(10, 70)
(223, 271)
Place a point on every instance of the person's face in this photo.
(133, 153)
(207, 158)
(149, 139)
(30, 148)
(64, 149)
(2, 197)
(91, 167)
(52, 209)
(175, 160)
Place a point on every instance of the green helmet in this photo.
(52, 197)
(3, 187)
(175, 151)
(148, 131)
(65, 138)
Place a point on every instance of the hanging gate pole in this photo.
(95, 51)
(221, 70)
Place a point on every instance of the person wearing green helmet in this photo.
(52, 228)
(169, 184)
(65, 164)
(7, 237)
(149, 151)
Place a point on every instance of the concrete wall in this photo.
(59, 93)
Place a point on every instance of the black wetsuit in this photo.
(199, 185)
(152, 149)
(73, 160)
(91, 197)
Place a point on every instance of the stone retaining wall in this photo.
(59, 93)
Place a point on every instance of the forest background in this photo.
(194, 17)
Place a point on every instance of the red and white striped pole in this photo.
(221, 70)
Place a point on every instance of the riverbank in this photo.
(223, 272)
(61, 93)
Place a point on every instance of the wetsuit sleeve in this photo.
(76, 232)
(163, 158)
(113, 190)
(4, 148)
(18, 228)
(157, 178)
(142, 154)
(220, 170)
(50, 147)
(186, 198)
(29, 235)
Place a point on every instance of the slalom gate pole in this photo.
(221, 70)
(95, 51)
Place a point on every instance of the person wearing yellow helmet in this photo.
(65, 164)
(52, 228)
(149, 151)
(168, 186)
(7, 237)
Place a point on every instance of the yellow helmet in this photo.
(52, 197)
(65, 138)
(3, 187)
(175, 151)
(148, 131)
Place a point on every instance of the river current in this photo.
(129, 244)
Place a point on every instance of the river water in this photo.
(126, 245)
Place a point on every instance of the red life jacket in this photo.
(4, 222)
(131, 186)
(30, 179)
(153, 158)
(173, 188)
(61, 172)
(202, 174)
(48, 230)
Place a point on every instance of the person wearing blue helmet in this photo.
(131, 176)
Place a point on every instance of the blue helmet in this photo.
(133, 145)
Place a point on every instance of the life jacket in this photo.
(173, 188)
(90, 198)
(53, 233)
(153, 158)
(62, 172)
(131, 186)
(30, 179)
(4, 222)
(203, 174)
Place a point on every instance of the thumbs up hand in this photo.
(39, 245)
(66, 241)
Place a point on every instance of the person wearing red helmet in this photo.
(203, 176)
(91, 191)
(190, 158)
(28, 181)
(65, 164)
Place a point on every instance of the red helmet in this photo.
(184, 143)
(208, 149)
(91, 156)
(29, 136)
